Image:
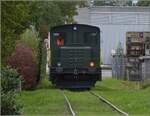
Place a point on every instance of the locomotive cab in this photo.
(75, 56)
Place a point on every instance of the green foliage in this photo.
(9, 104)
(143, 3)
(68, 10)
(43, 62)
(99, 3)
(45, 83)
(30, 39)
(14, 18)
(51, 13)
(42, 56)
(129, 3)
(120, 3)
(17, 16)
(10, 81)
(45, 13)
(82, 3)
(106, 2)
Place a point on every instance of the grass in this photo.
(86, 104)
(47, 100)
(126, 95)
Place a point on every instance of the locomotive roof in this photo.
(68, 25)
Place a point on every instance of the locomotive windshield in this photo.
(90, 38)
(75, 38)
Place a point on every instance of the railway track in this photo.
(109, 103)
(68, 104)
(72, 112)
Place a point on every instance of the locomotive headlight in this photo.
(74, 28)
(92, 64)
(58, 64)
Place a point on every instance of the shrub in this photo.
(9, 105)
(24, 61)
(30, 39)
(9, 84)
(10, 80)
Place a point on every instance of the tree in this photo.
(68, 9)
(48, 14)
(99, 3)
(30, 38)
(129, 3)
(121, 3)
(14, 20)
(45, 14)
(17, 16)
(143, 3)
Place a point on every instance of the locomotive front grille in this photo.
(75, 56)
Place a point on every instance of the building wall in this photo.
(114, 22)
(145, 69)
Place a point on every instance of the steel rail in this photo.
(69, 105)
(109, 103)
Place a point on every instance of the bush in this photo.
(30, 39)
(10, 80)
(9, 105)
(9, 84)
(24, 61)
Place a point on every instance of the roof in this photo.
(72, 25)
(120, 9)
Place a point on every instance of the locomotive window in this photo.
(60, 38)
(90, 38)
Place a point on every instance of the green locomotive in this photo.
(75, 56)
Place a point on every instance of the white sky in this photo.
(134, 1)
